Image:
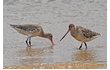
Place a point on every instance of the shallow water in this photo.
(54, 16)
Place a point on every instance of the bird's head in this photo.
(49, 36)
(70, 27)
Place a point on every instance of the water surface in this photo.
(54, 16)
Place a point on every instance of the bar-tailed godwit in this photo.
(32, 30)
(81, 34)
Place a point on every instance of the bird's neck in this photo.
(44, 35)
(73, 31)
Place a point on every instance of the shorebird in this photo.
(32, 30)
(81, 34)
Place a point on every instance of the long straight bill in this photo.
(64, 35)
(52, 42)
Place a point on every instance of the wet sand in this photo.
(54, 16)
(67, 65)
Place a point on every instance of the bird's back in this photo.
(28, 29)
(84, 34)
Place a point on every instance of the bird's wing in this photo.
(86, 32)
(32, 28)
(28, 28)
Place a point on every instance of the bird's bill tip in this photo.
(52, 42)
(64, 35)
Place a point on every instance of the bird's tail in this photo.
(13, 26)
(96, 35)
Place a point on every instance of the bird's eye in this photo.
(70, 26)
(50, 35)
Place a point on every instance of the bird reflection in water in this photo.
(84, 55)
(38, 51)
(28, 49)
(36, 55)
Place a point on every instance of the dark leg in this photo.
(30, 41)
(80, 45)
(27, 42)
(85, 44)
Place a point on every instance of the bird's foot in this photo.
(80, 47)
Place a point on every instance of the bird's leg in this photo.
(30, 41)
(27, 42)
(85, 44)
(80, 45)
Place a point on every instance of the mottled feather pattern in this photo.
(32, 30)
(86, 32)
(81, 34)
(29, 28)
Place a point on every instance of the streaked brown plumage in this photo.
(32, 30)
(81, 34)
